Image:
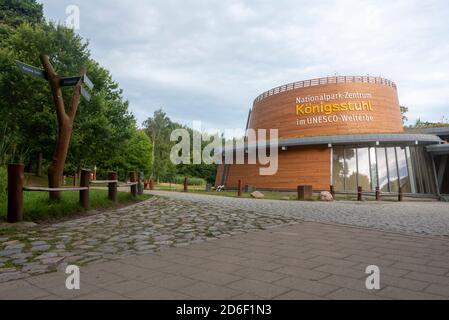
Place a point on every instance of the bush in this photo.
(192, 181)
(3, 183)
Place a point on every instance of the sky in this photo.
(207, 60)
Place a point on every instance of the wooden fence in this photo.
(16, 188)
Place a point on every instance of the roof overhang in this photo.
(438, 149)
(360, 139)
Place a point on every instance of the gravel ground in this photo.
(414, 217)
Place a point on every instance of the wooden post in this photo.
(112, 186)
(332, 191)
(359, 193)
(151, 184)
(377, 194)
(400, 195)
(16, 180)
(239, 192)
(139, 184)
(84, 194)
(305, 192)
(186, 184)
(133, 178)
(145, 184)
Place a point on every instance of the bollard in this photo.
(16, 180)
(186, 184)
(133, 178)
(112, 186)
(359, 193)
(139, 184)
(84, 194)
(377, 194)
(400, 194)
(239, 191)
(151, 184)
(305, 192)
(332, 191)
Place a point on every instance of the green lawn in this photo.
(37, 206)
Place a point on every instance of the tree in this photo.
(404, 111)
(137, 155)
(159, 128)
(426, 124)
(102, 127)
(65, 123)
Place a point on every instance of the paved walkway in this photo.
(302, 261)
(414, 217)
(197, 246)
(147, 227)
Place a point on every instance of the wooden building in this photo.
(345, 132)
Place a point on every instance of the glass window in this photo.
(351, 169)
(392, 170)
(364, 170)
(373, 167)
(382, 169)
(410, 170)
(404, 180)
(338, 169)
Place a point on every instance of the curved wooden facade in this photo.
(356, 105)
(279, 110)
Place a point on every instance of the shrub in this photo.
(3, 183)
(192, 181)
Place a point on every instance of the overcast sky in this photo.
(207, 60)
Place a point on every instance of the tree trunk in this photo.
(39, 164)
(56, 168)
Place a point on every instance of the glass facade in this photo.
(386, 167)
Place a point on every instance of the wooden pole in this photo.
(239, 192)
(359, 194)
(65, 123)
(16, 180)
(112, 186)
(84, 194)
(332, 191)
(186, 184)
(400, 195)
(377, 194)
(133, 178)
(151, 184)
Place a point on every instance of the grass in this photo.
(38, 207)
(279, 195)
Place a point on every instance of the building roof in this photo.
(365, 139)
(442, 132)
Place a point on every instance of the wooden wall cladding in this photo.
(307, 165)
(279, 111)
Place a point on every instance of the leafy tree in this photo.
(159, 128)
(102, 127)
(136, 156)
(426, 124)
(404, 111)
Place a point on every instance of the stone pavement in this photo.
(414, 217)
(298, 261)
(144, 228)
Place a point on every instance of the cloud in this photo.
(204, 60)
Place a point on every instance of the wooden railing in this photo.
(16, 188)
(323, 81)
